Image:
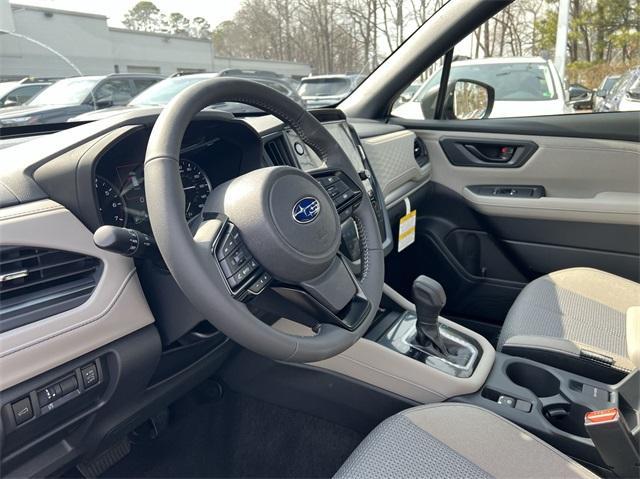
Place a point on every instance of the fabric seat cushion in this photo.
(582, 306)
(455, 440)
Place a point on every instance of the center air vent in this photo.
(420, 152)
(36, 283)
(278, 152)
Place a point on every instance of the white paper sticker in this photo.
(407, 229)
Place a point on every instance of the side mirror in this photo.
(404, 98)
(601, 93)
(465, 100)
(10, 102)
(103, 102)
(469, 100)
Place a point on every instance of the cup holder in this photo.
(537, 380)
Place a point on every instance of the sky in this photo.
(215, 11)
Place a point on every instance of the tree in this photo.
(199, 28)
(177, 24)
(144, 17)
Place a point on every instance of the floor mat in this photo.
(240, 437)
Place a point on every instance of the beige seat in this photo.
(576, 319)
(455, 440)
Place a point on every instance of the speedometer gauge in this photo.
(110, 203)
(196, 187)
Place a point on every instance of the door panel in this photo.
(584, 179)
(485, 231)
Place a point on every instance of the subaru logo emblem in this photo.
(306, 210)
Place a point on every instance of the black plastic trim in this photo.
(623, 126)
(459, 151)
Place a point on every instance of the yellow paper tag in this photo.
(407, 230)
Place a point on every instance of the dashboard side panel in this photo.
(116, 308)
(392, 160)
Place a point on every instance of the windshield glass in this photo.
(163, 92)
(153, 49)
(71, 91)
(610, 82)
(6, 87)
(324, 87)
(511, 81)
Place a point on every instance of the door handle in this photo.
(501, 158)
(487, 152)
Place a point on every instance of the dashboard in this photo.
(211, 154)
(121, 326)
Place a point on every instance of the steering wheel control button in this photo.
(245, 271)
(22, 410)
(89, 375)
(343, 192)
(260, 283)
(229, 243)
(327, 180)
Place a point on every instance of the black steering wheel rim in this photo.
(189, 258)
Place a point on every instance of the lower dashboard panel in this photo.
(93, 401)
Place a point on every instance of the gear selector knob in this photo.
(429, 298)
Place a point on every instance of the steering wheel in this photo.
(269, 238)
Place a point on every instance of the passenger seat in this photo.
(581, 320)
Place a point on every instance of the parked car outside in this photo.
(327, 90)
(408, 93)
(603, 90)
(286, 86)
(163, 92)
(524, 86)
(15, 93)
(625, 94)
(72, 96)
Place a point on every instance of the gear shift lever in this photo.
(429, 298)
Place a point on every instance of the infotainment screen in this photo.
(340, 131)
(308, 160)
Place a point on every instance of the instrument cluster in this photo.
(205, 162)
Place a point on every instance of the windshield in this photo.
(610, 82)
(151, 50)
(163, 92)
(324, 87)
(71, 91)
(6, 87)
(511, 81)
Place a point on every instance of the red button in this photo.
(604, 415)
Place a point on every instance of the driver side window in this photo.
(513, 56)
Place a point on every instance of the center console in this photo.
(414, 353)
(594, 422)
(552, 404)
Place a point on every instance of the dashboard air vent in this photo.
(420, 152)
(37, 282)
(278, 152)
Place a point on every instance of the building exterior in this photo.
(104, 49)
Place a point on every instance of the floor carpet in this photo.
(239, 436)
